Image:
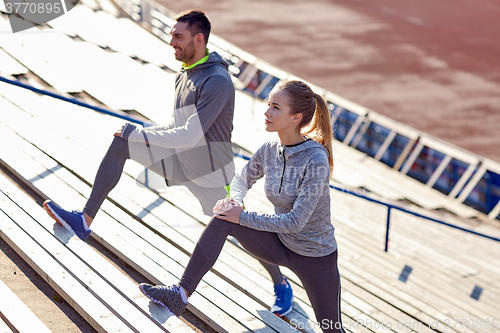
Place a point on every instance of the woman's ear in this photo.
(297, 118)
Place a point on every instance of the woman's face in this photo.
(278, 117)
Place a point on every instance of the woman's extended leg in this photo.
(319, 276)
(266, 246)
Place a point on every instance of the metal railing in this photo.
(392, 206)
(389, 206)
(75, 101)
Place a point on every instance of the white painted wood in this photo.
(92, 4)
(346, 104)
(464, 295)
(109, 7)
(200, 226)
(247, 76)
(18, 314)
(385, 145)
(107, 271)
(449, 150)
(391, 124)
(495, 211)
(404, 154)
(439, 170)
(411, 159)
(84, 302)
(353, 130)
(270, 69)
(263, 84)
(472, 183)
(236, 312)
(336, 113)
(9, 66)
(361, 132)
(111, 296)
(55, 58)
(68, 197)
(461, 182)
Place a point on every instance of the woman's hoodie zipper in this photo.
(284, 160)
(284, 166)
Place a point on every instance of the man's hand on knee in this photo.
(120, 131)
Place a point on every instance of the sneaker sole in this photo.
(49, 212)
(156, 301)
(287, 311)
(57, 217)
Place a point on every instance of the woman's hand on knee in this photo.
(228, 210)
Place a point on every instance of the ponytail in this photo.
(321, 128)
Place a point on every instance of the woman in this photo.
(299, 235)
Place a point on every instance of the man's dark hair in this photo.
(197, 22)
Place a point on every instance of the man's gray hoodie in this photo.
(297, 184)
(200, 131)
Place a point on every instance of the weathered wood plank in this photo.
(18, 314)
(84, 302)
(111, 297)
(103, 268)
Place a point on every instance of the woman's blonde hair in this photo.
(314, 110)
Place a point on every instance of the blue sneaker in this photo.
(73, 221)
(283, 299)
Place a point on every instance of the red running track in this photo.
(434, 65)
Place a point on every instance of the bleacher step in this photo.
(19, 316)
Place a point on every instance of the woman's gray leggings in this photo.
(109, 174)
(319, 275)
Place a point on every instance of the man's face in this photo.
(182, 42)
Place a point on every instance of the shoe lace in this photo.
(173, 288)
(279, 293)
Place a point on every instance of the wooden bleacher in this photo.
(155, 232)
(104, 297)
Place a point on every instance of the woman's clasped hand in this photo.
(228, 209)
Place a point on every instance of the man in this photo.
(193, 150)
